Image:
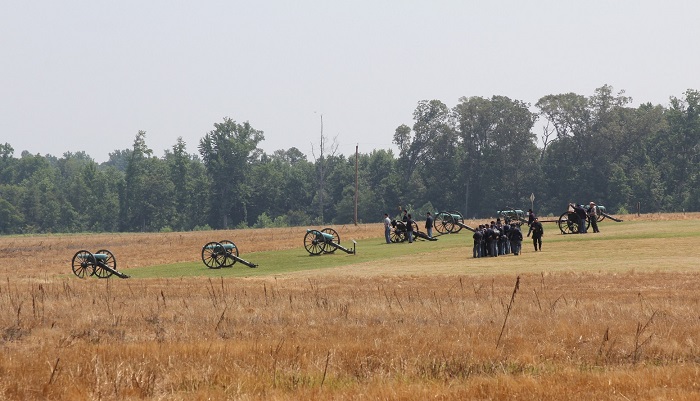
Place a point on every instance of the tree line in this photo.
(478, 156)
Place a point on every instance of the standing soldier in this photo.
(478, 235)
(429, 225)
(516, 238)
(409, 228)
(537, 232)
(387, 228)
(530, 217)
(501, 238)
(593, 216)
(506, 237)
(493, 244)
(581, 213)
(486, 240)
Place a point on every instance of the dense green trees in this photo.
(477, 156)
(228, 152)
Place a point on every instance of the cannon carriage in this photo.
(220, 254)
(399, 232)
(603, 214)
(450, 222)
(101, 264)
(326, 240)
(569, 221)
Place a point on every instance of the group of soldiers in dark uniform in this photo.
(497, 238)
(503, 238)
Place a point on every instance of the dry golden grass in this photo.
(569, 336)
(408, 329)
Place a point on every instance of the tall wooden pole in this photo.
(356, 194)
(322, 178)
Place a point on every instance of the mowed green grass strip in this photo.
(635, 245)
(276, 262)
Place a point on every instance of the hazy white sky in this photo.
(88, 75)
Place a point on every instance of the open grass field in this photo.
(609, 316)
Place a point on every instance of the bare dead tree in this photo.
(321, 162)
(547, 133)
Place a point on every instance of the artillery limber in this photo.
(220, 254)
(450, 222)
(399, 232)
(101, 264)
(326, 240)
(569, 221)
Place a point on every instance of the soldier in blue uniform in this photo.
(478, 237)
(516, 238)
(581, 214)
(530, 217)
(409, 228)
(537, 232)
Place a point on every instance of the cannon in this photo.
(513, 215)
(101, 264)
(569, 222)
(450, 222)
(399, 232)
(326, 240)
(220, 254)
(602, 214)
